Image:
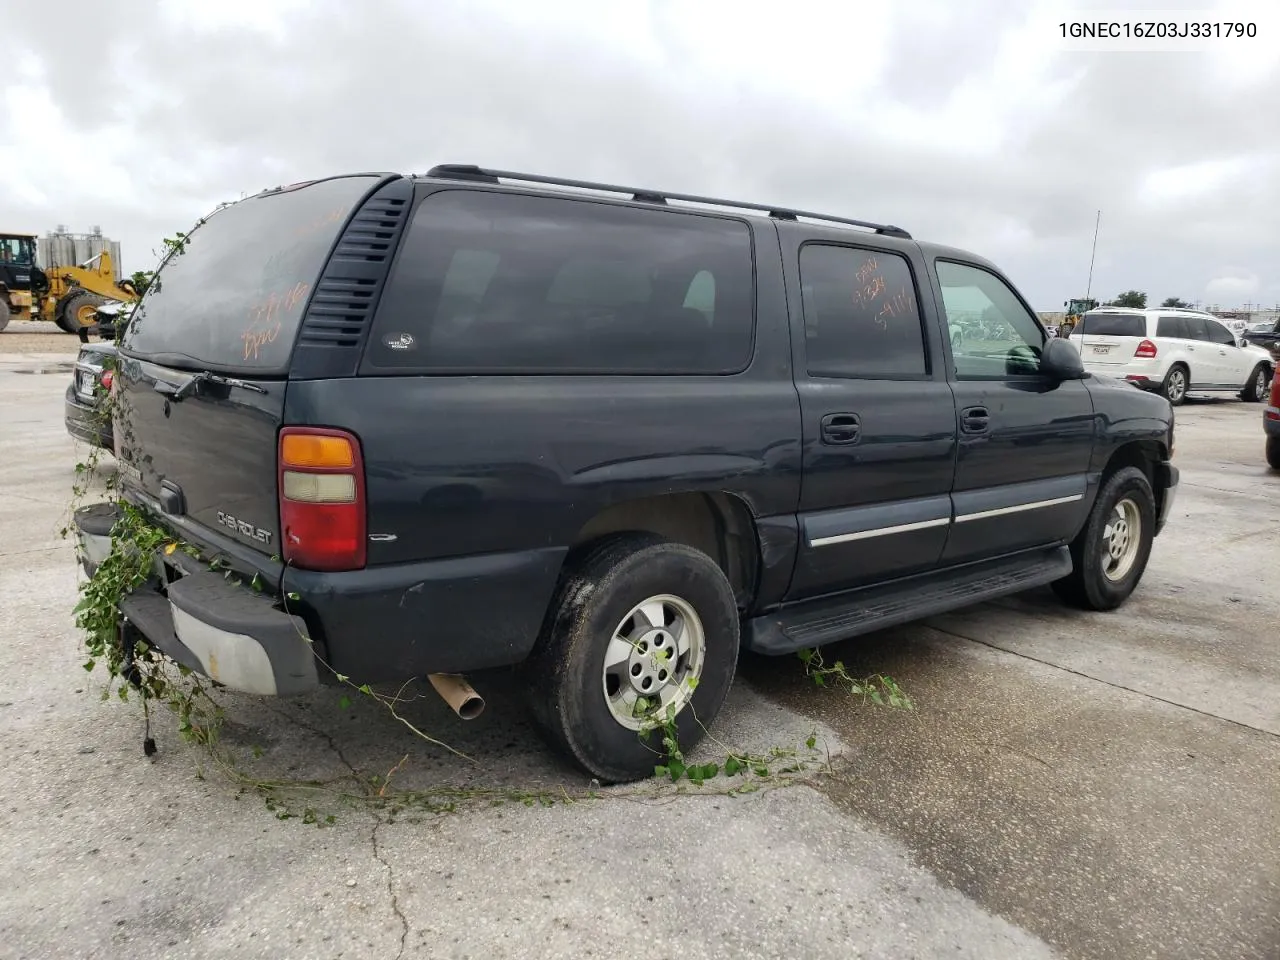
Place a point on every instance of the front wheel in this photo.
(641, 630)
(1259, 385)
(1110, 554)
(77, 310)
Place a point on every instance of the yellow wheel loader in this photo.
(67, 295)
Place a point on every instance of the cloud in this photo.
(965, 124)
(1231, 285)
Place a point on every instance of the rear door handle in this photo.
(841, 428)
(975, 420)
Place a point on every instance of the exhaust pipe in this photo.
(457, 693)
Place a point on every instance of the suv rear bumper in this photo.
(85, 422)
(1165, 476)
(203, 621)
(377, 624)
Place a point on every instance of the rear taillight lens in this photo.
(1275, 389)
(106, 380)
(322, 504)
(1146, 350)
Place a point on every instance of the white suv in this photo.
(1173, 352)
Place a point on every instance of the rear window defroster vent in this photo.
(346, 296)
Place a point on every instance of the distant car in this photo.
(1173, 352)
(1265, 334)
(90, 381)
(1271, 423)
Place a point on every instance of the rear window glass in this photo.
(234, 297)
(1114, 324)
(495, 282)
(1175, 327)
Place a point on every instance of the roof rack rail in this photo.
(464, 171)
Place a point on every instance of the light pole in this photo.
(1089, 286)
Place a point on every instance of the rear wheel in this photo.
(76, 310)
(640, 629)
(1110, 554)
(1259, 385)
(1174, 387)
(1273, 452)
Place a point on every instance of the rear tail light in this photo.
(322, 502)
(1146, 350)
(1275, 389)
(106, 379)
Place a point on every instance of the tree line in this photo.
(1137, 300)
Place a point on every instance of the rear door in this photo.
(1202, 353)
(1174, 335)
(879, 426)
(205, 359)
(1110, 339)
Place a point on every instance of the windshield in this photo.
(20, 250)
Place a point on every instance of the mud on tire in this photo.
(565, 678)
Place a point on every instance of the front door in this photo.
(1022, 474)
(879, 427)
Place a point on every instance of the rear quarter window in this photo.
(233, 298)
(489, 282)
(1114, 324)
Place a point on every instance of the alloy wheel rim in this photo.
(1121, 540)
(653, 661)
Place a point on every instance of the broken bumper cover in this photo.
(201, 620)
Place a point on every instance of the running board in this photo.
(813, 623)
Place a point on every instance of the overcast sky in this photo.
(964, 122)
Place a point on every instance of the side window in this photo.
(1174, 327)
(992, 334)
(861, 318)
(509, 283)
(1218, 333)
(1197, 328)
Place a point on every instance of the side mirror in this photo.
(1061, 361)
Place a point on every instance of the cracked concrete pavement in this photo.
(1070, 785)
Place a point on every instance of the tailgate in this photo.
(209, 457)
(1103, 350)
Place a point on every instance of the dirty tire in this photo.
(1087, 586)
(1259, 385)
(70, 306)
(564, 676)
(1176, 382)
(1273, 452)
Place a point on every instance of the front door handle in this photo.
(841, 428)
(975, 420)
